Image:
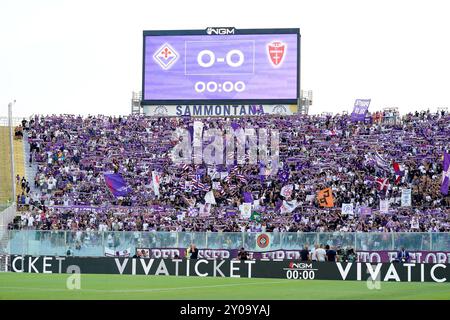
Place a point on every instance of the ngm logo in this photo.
(300, 265)
(301, 271)
(221, 31)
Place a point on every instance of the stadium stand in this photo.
(362, 163)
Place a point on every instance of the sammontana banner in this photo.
(294, 270)
(218, 110)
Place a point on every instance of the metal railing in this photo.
(4, 121)
(95, 243)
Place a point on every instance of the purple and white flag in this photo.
(377, 160)
(365, 211)
(286, 191)
(116, 184)
(360, 110)
(204, 210)
(241, 177)
(288, 206)
(446, 174)
(187, 186)
(193, 212)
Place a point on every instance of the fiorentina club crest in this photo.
(276, 51)
(165, 56)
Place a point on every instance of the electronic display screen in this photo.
(196, 67)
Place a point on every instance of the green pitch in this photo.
(53, 286)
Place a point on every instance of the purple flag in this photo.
(116, 184)
(231, 213)
(360, 109)
(262, 172)
(191, 131)
(248, 198)
(284, 175)
(235, 125)
(365, 211)
(446, 174)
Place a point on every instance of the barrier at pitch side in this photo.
(293, 270)
(362, 256)
(431, 247)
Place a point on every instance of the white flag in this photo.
(384, 206)
(347, 209)
(204, 210)
(216, 185)
(156, 182)
(256, 204)
(288, 206)
(406, 197)
(246, 210)
(198, 133)
(209, 197)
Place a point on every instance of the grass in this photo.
(105, 287)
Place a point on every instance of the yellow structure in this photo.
(5, 164)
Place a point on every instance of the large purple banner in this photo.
(220, 67)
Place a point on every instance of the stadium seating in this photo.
(363, 163)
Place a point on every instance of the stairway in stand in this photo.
(30, 170)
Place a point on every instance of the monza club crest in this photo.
(276, 51)
(263, 240)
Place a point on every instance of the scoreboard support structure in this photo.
(136, 99)
(305, 101)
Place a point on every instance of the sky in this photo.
(85, 57)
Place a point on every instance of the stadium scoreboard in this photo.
(221, 66)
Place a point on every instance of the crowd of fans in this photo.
(72, 153)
